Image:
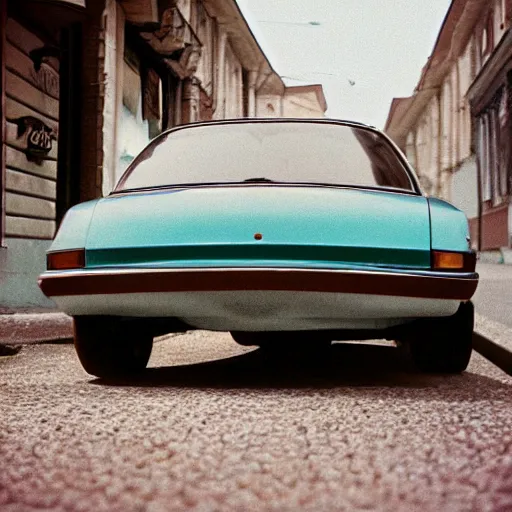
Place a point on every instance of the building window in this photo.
(483, 153)
(206, 34)
(503, 141)
(141, 115)
(495, 160)
(484, 44)
(493, 150)
(474, 58)
(488, 35)
(152, 101)
(184, 7)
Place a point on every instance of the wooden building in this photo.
(37, 184)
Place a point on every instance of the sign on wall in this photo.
(38, 136)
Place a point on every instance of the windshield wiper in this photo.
(165, 187)
(189, 185)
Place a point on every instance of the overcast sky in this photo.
(381, 45)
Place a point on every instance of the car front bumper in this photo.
(255, 299)
(394, 283)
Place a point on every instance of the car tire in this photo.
(108, 347)
(444, 344)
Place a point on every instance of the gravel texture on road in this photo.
(213, 426)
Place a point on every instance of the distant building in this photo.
(84, 86)
(456, 129)
(304, 101)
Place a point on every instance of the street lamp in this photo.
(335, 75)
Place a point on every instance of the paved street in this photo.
(493, 297)
(212, 426)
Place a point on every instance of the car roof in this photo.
(249, 120)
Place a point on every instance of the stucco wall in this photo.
(500, 25)
(114, 22)
(233, 85)
(427, 146)
(463, 107)
(268, 106)
(303, 104)
(464, 188)
(21, 262)
(447, 125)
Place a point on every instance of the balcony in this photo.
(174, 39)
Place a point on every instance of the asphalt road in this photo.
(493, 297)
(213, 426)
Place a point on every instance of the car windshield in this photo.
(266, 152)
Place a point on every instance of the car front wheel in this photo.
(443, 345)
(110, 347)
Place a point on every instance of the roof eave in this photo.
(246, 46)
(496, 62)
(316, 88)
(451, 42)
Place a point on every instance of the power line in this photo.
(298, 23)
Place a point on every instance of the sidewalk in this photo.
(493, 297)
(501, 256)
(21, 328)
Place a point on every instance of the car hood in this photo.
(299, 225)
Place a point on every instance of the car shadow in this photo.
(340, 366)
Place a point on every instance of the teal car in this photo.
(287, 233)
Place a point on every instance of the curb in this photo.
(497, 257)
(493, 352)
(493, 340)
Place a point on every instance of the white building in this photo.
(455, 129)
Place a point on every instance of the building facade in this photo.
(86, 84)
(37, 179)
(455, 129)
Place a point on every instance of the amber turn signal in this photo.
(65, 260)
(442, 260)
